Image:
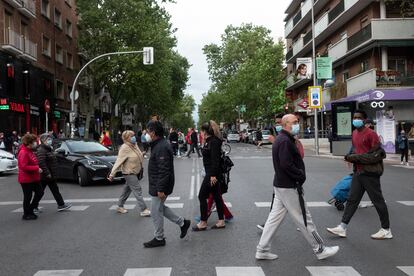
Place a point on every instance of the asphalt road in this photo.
(94, 240)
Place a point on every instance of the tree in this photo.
(245, 69)
(183, 117)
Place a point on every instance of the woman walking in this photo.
(211, 183)
(130, 162)
(29, 176)
(403, 146)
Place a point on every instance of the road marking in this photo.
(403, 166)
(162, 271)
(409, 270)
(407, 203)
(318, 204)
(20, 210)
(228, 204)
(192, 187)
(193, 167)
(262, 204)
(126, 206)
(250, 157)
(332, 270)
(79, 208)
(198, 183)
(240, 271)
(175, 205)
(76, 272)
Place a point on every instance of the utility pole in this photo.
(315, 81)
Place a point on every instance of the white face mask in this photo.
(34, 144)
(148, 138)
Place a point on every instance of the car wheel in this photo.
(82, 176)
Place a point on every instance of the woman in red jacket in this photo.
(29, 176)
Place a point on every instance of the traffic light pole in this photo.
(315, 81)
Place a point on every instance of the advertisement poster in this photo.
(324, 68)
(304, 68)
(386, 131)
(344, 123)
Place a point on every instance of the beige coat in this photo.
(129, 161)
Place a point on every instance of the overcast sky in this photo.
(200, 22)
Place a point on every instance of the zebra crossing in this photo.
(228, 271)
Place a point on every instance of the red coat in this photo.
(28, 166)
(106, 141)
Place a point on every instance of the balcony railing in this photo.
(297, 46)
(307, 38)
(12, 41)
(321, 24)
(30, 49)
(336, 11)
(297, 17)
(289, 54)
(15, 3)
(360, 37)
(28, 8)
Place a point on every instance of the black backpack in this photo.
(226, 165)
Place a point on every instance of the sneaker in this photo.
(37, 211)
(327, 252)
(407, 164)
(121, 210)
(184, 228)
(339, 231)
(382, 234)
(197, 219)
(29, 217)
(64, 207)
(266, 256)
(260, 226)
(145, 213)
(402, 163)
(154, 243)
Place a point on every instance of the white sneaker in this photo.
(382, 234)
(266, 256)
(408, 164)
(121, 210)
(145, 213)
(402, 163)
(339, 231)
(327, 252)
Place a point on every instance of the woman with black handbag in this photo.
(130, 161)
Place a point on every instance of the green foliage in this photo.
(247, 68)
(406, 6)
(183, 117)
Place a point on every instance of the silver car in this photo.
(8, 163)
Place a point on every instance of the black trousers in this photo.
(404, 153)
(370, 184)
(28, 190)
(174, 147)
(192, 147)
(54, 189)
(205, 191)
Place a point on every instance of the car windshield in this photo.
(86, 146)
(265, 132)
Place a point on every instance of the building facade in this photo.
(372, 48)
(38, 64)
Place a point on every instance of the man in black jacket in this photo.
(48, 163)
(161, 184)
(194, 143)
(289, 177)
(174, 140)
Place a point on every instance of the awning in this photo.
(396, 94)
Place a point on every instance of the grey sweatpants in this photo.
(287, 201)
(132, 185)
(158, 211)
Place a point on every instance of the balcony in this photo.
(297, 18)
(28, 8)
(13, 42)
(293, 82)
(30, 50)
(336, 11)
(301, 46)
(389, 29)
(14, 3)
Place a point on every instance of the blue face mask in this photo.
(279, 129)
(358, 123)
(49, 142)
(295, 129)
(133, 140)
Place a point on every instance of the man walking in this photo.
(289, 178)
(161, 184)
(194, 143)
(174, 141)
(366, 148)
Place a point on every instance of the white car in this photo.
(8, 163)
(233, 136)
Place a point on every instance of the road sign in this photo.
(315, 96)
(243, 108)
(324, 68)
(76, 95)
(127, 119)
(47, 106)
(148, 58)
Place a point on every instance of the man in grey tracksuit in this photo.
(289, 177)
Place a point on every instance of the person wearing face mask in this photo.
(365, 146)
(29, 176)
(130, 161)
(403, 146)
(289, 177)
(48, 163)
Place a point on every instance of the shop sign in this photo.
(34, 110)
(4, 105)
(56, 114)
(17, 107)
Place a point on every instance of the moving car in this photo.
(8, 163)
(84, 161)
(233, 136)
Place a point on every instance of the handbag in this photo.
(140, 175)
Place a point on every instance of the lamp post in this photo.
(315, 81)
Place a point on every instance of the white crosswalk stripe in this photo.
(73, 208)
(162, 271)
(175, 205)
(332, 270)
(239, 271)
(409, 270)
(20, 210)
(407, 203)
(75, 272)
(126, 206)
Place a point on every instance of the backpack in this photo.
(226, 165)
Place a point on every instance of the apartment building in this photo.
(372, 48)
(38, 62)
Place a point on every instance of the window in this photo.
(364, 21)
(60, 90)
(45, 9)
(364, 66)
(345, 76)
(69, 60)
(59, 54)
(68, 28)
(46, 46)
(58, 19)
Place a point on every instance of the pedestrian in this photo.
(144, 142)
(15, 140)
(289, 178)
(403, 146)
(29, 176)
(259, 138)
(194, 143)
(213, 178)
(367, 172)
(2, 141)
(49, 165)
(61, 134)
(106, 141)
(174, 140)
(130, 161)
(161, 184)
(119, 140)
(181, 143)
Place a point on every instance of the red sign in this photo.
(47, 106)
(304, 104)
(16, 107)
(3, 101)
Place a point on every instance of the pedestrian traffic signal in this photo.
(315, 96)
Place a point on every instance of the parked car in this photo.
(8, 163)
(233, 136)
(265, 135)
(84, 161)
